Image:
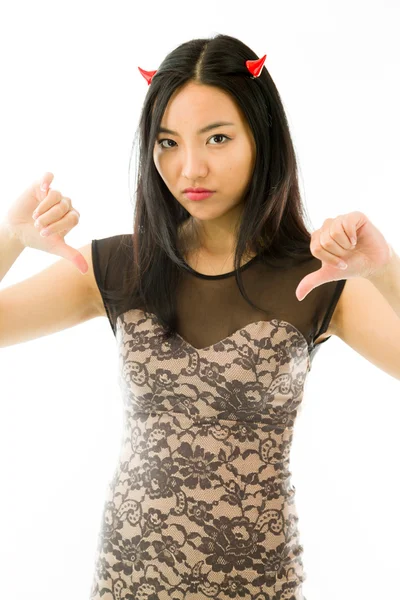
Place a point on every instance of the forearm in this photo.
(387, 281)
(10, 249)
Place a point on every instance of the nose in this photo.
(194, 165)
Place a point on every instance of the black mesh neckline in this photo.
(224, 275)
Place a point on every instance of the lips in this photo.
(198, 195)
(197, 190)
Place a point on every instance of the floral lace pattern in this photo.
(201, 503)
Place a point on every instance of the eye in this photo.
(160, 142)
(219, 135)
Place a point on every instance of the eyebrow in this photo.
(202, 130)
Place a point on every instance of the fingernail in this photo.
(342, 265)
(43, 187)
(44, 232)
(34, 215)
(353, 241)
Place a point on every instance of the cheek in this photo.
(160, 162)
(234, 169)
(155, 161)
(161, 168)
(242, 163)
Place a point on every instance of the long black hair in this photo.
(273, 218)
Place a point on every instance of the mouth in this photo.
(197, 190)
(198, 195)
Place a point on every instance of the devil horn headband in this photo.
(254, 66)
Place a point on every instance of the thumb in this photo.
(60, 248)
(314, 279)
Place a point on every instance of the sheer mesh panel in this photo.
(211, 308)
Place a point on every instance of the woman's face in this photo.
(221, 159)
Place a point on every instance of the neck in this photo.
(218, 237)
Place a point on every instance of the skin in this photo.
(207, 160)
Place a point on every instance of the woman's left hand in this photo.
(332, 243)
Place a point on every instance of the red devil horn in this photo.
(255, 66)
(148, 75)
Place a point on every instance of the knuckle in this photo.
(75, 217)
(55, 195)
(336, 227)
(327, 241)
(315, 245)
(62, 207)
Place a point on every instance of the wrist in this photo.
(11, 236)
(379, 273)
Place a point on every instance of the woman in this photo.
(219, 303)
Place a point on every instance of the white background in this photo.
(70, 103)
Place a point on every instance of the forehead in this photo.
(199, 103)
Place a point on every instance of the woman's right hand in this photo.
(54, 212)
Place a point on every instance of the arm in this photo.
(52, 300)
(10, 249)
(387, 282)
(368, 323)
